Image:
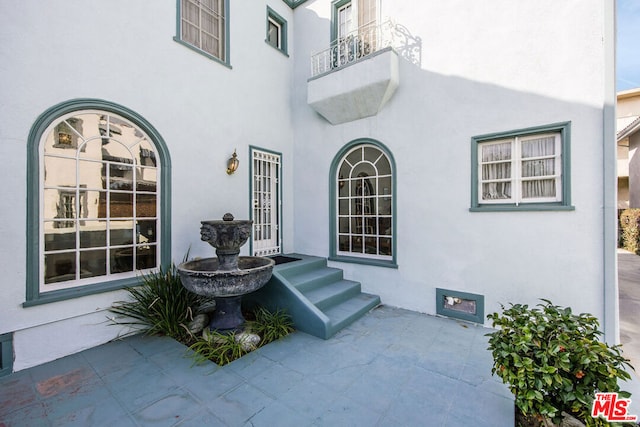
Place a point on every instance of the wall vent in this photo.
(460, 305)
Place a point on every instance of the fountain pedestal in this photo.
(229, 276)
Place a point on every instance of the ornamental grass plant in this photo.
(554, 361)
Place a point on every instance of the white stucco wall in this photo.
(124, 52)
(485, 68)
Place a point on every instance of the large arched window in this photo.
(97, 200)
(363, 204)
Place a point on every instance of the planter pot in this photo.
(533, 421)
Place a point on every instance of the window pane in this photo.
(121, 233)
(539, 188)
(356, 244)
(59, 172)
(343, 243)
(384, 226)
(496, 152)
(146, 257)
(385, 246)
(496, 190)
(121, 260)
(93, 263)
(121, 205)
(120, 176)
(540, 167)
(59, 267)
(384, 206)
(539, 147)
(146, 231)
(93, 234)
(343, 225)
(371, 245)
(59, 235)
(91, 174)
(146, 205)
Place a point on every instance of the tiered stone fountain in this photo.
(229, 276)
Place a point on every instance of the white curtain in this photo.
(190, 22)
(496, 165)
(542, 164)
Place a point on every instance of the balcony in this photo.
(358, 74)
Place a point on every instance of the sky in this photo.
(628, 48)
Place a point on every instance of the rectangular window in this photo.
(520, 168)
(276, 31)
(202, 25)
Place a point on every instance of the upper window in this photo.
(202, 25)
(364, 205)
(98, 200)
(524, 169)
(276, 31)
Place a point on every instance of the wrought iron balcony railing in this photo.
(364, 42)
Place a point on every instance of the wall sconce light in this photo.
(232, 163)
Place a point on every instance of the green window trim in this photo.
(177, 38)
(33, 294)
(283, 33)
(293, 3)
(335, 6)
(333, 208)
(564, 129)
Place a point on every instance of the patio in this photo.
(393, 367)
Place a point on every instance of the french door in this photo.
(266, 202)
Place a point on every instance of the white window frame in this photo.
(278, 33)
(78, 155)
(385, 195)
(516, 179)
(219, 49)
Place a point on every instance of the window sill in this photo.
(522, 207)
(80, 291)
(364, 261)
(203, 53)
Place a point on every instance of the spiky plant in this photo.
(159, 305)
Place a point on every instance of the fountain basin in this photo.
(203, 276)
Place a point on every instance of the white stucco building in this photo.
(461, 148)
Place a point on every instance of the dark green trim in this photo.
(283, 31)
(33, 295)
(227, 57)
(335, 5)
(293, 3)
(441, 310)
(280, 198)
(333, 209)
(6, 354)
(565, 135)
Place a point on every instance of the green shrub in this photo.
(553, 360)
(270, 326)
(160, 305)
(219, 348)
(630, 224)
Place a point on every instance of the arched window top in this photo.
(363, 204)
(98, 201)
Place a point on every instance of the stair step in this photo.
(313, 279)
(345, 313)
(306, 263)
(333, 293)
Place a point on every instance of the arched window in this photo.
(97, 200)
(363, 204)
